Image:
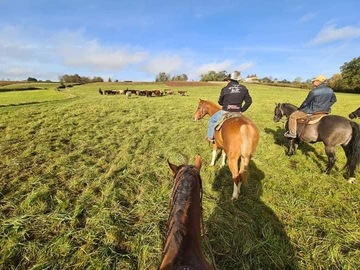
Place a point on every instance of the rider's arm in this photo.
(247, 100)
(308, 100)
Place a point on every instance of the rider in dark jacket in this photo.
(234, 97)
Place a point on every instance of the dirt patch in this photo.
(189, 84)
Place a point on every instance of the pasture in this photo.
(84, 183)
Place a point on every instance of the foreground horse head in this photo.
(355, 114)
(238, 138)
(182, 246)
(332, 130)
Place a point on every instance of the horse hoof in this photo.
(351, 180)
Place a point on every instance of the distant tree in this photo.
(182, 77)
(109, 80)
(266, 80)
(213, 76)
(30, 79)
(350, 73)
(97, 79)
(162, 77)
(297, 80)
(85, 79)
(284, 81)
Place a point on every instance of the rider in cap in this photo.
(319, 99)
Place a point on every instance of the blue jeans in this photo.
(214, 118)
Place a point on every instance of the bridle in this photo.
(279, 113)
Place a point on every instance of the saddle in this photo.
(309, 120)
(312, 118)
(225, 117)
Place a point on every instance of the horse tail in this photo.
(353, 149)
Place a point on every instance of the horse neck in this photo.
(288, 109)
(184, 227)
(212, 108)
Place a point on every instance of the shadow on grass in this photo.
(305, 148)
(247, 234)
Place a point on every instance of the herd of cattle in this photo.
(147, 93)
(158, 93)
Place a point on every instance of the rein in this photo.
(207, 242)
(281, 110)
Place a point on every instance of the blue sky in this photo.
(137, 39)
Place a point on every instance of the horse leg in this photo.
(223, 158)
(213, 157)
(296, 144)
(350, 166)
(233, 166)
(244, 165)
(330, 152)
(291, 148)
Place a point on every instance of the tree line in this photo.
(348, 80)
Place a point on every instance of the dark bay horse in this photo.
(332, 130)
(355, 114)
(238, 138)
(182, 246)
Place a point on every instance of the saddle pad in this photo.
(312, 119)
(225, 117)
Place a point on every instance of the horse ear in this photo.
(198, 162)
(173, 168)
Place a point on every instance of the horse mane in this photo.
(187, 179)
(211, 103)
(290, 105)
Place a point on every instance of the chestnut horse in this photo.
(182, 246)
(238, 138)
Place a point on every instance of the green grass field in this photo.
(84, 183)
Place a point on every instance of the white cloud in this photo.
(307, 17)
(76, 51)
(246, 66)
(167, 62)
(215, 66)
(331, 33)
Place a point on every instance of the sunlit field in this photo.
(84, 183)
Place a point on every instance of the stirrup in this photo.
(210, 140)
(290, 135)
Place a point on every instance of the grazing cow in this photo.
(182, 93)
(355, 114)
(128, 94)
(148, 93)
(157, 93)
(100, 91)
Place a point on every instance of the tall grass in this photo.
(85, 185)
